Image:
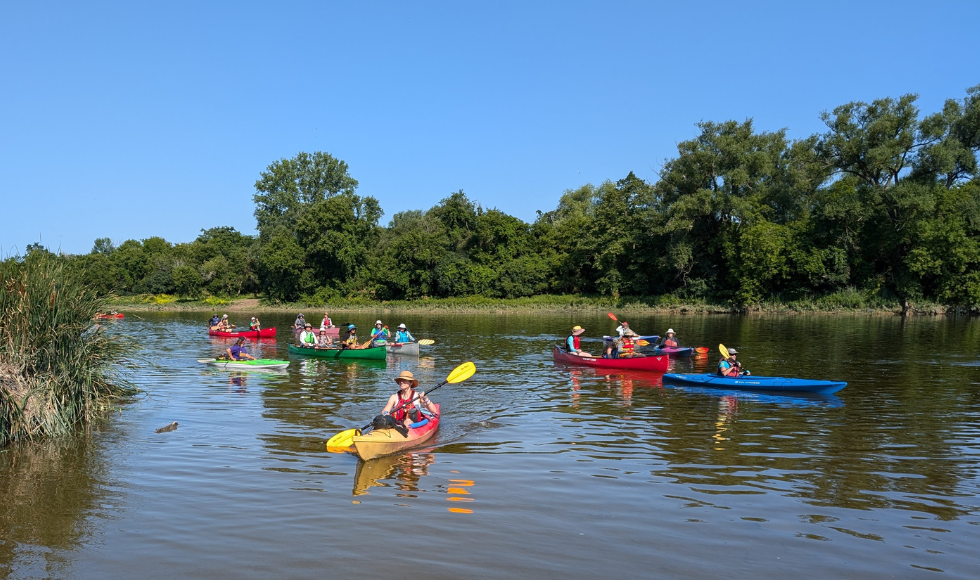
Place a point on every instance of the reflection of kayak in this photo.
(409, 348)
(674, 351)
(648, 363)
(754, 383)
(264, 333)
(376, 353)
(104, 316)
(387, 441)
(262, 364)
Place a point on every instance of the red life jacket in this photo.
(575, 341)
(671, 342)
(627, 348)
(401, 407)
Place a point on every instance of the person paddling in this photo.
(350, 337)
(237, 350)
(255, 324)
(670, 339)
(300, 322)
(729, 367)
(622, 328)
(573, 343)
(408, 406)
(403, 335)
(628, 347)
(379, 334)
(214, 320)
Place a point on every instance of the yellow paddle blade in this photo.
(723, 351)
(426, 341)
(461, 373)
(339, 449)
(643, 343)
(343, 439)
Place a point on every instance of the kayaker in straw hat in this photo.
(729, 367)
(572, 344)
(408, 406)
(670, 339)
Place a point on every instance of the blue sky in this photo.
(138, 119)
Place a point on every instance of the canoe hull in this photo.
(376, 353)
(262, 364)
(657, 364)
(264, 333)
(108, 316)
(382, 442)
(405, 348)
(754, 383)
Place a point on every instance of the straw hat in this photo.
(629, 332)
(670, 331)
(407, 375)
(577, 330)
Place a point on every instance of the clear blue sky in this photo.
(138, 119)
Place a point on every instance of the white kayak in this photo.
(408, 348)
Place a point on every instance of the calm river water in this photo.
(538, 470)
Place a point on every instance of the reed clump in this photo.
(56, 362)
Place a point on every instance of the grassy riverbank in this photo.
(56, 365)
(850, 301)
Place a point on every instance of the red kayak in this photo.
(264, 333)
(657, 364)
(109, 315)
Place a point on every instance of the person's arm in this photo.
(429, 405)
(230, 356)
(390, 405)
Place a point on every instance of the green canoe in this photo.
(376, 353)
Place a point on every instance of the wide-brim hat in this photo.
(629, 333)
(351, 327)
(376, 322)
(407, 375)
(577, 330)
(401, 326)
(670, 331)
(308, 325)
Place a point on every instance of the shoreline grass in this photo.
(840, 303)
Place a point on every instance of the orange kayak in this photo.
(388, 441)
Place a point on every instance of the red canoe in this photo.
(657, 364)
(264, 333)
(109, 315)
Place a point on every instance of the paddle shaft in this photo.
(412, 400)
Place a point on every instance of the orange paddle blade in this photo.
(613, 316)
(701, 350)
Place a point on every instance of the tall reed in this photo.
(56, 362)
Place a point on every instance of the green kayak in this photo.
(262, 364)
(376, 353)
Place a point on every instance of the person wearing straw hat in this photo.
(408, 406)
(307, 338)
(572, 344)
(670, 339)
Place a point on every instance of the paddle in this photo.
(613, 316)
(426, 342)
(701, 350)
(345, 439)
(724, 352)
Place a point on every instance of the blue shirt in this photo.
(404, 336)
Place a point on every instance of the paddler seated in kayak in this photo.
(627, 348)
(403, 335)
(622, 328)
(326, 322)
(572, 343)
(306, 338)
(670, 339)
(300, 323)
(255, 324)
(324, 341)
(237, 350)
(729, 367)
(379, 334)
(409, 406)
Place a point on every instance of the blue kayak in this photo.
(754, 383)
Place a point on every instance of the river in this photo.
(538, 470)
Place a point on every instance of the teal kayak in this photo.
(262, 364)
(375, 353)
(754, 383)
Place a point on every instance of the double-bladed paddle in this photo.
(341, 441)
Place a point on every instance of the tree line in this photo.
(884, 203)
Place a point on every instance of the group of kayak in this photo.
(623, 352)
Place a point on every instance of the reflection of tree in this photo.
(47, 490)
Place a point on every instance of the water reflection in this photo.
(403, 471)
